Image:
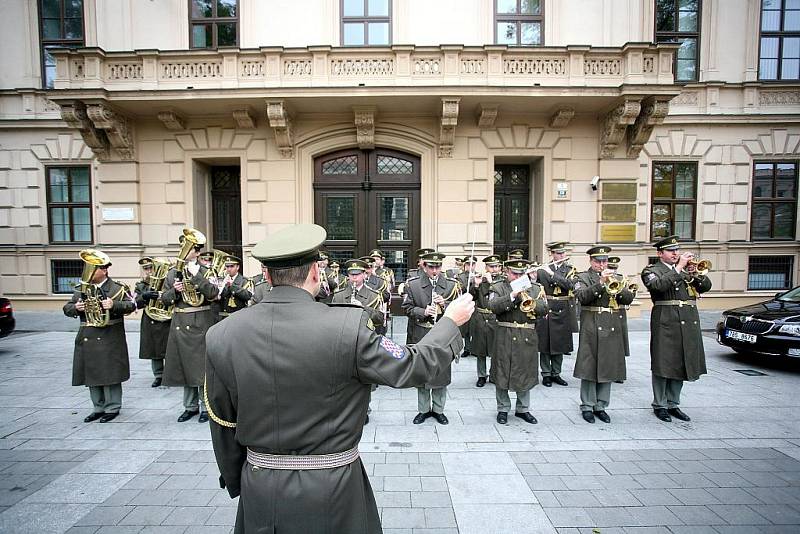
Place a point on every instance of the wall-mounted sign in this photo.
(618, 233)
(562, 191)
(619, 191)
(118, 214)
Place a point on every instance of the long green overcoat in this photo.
(153, 335)
(555, 331)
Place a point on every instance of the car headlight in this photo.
(791, 329)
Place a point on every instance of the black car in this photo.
(771, 327)
(6, 317)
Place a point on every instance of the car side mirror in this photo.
(778, 294)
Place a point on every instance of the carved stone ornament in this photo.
(365, 127)
(447, 129)
(74, 114)
(615, 124)
(117, 128)
(487, 114)
(244, 120)
(171, 120)
(654, 110)
(281, 123)
(561, 118)
(778, 98)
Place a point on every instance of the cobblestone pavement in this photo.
(734, 469)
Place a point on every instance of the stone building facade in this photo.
(123, 121)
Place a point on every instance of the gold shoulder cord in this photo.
(211, 414)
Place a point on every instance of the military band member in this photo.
(601, 346)
(516, 254)
(186, 347)
(154, 333)
(555, 330)
(424, 303)
(100, 359)
(295, 418)
(613, 265)
(515, 358)
(468, 264)
(337, 279)
(358, 293)
(380, 267)
(205, 258)
(261, 286)
(453, 272)
(676, 344)
(483, 322)
(235, 292)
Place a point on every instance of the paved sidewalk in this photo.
(734, 469)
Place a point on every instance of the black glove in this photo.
(150, 295)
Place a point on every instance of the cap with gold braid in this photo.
(492, 260)
(613, 262)
(434, 259)
(355, 266)
(147, 261)
(470, 259)
(369, 261)
(291, 246)
(517, 265)
(375, 252)
(557, 246)
(599, 253)
(516, 254)
(668, 243)
(232, 260)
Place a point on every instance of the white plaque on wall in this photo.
(118, 214)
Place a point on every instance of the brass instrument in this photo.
(191, 238)
(613, 287)
(216, 268)
(92, 295)
(156, 309)
(700, 267)
(528, 304)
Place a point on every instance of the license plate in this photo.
(740, 336)
(794, 352)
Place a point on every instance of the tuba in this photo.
(217, 267)
(156, 309)
(191, 238)
(90, 293)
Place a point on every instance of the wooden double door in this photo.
(369, 199)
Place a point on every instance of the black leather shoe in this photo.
(662, 414)
(366, 421)
(440, 418)
(588, 416)
(420, 418)
(481, 382)
(93, 417)
(603, 416)
(203, 418)
(502, 418)
(558, 380)
(156, 383)
(491, 380)
(678, 414)
(108, 417)
(527, 417)
(547, 381)
(186, 415)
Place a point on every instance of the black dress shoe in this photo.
(440, 418)
(662, 414)
(547, 381)
(527, 417)
(203, 418)
(678, 414)
(588, 416)
(502, 418)
(481, 382)
(108, 417)
(93, 417)
(603, 416)
(558, 380)
(366, 421)
(156, 383)
(420, 418)
(186, 415)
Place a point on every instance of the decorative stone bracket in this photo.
(171, 120)
(562, 117)
(487, 114)
(281, 123)
(244, 119)
(447, 129)
(102, 129)
(615, 125)
(654, 110)
(365, 127)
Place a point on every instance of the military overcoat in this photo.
(261, 287)
(676, 345)
(234, 297)
(290, 390)
(555, 331)
(483, 323)
(601, 345)
(186, 347)
(100, 357)
(370, 300)
(515, 364)
(153, 335)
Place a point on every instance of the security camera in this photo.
(594, 182)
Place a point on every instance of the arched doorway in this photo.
(369, 199)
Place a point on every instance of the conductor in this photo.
(288, 385)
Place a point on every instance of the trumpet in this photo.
(698, 267)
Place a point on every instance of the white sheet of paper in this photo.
(520, 284)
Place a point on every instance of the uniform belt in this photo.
(302, 463)
(484, 310)
(192, 309)
(675, 303)
(552, 297)
(597, 309)
(109, 323)
(516, 325)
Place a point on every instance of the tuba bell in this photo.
(191, 238)
(156, 309)
(92, 295)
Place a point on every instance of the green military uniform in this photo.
(367, 298)
(601, 349)
(100, 360)
(275, 417)
(236, 292)
(676, 343)
(555, 330)
(515, 357)
(463, 282)
(483, 322)
(261, 287)
(419, 294)
(154, 334)
(613, 264)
